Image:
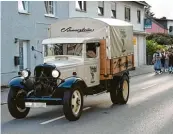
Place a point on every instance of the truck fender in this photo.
(16, 82)
(70, 81)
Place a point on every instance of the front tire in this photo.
(16, 104)
(73, 103)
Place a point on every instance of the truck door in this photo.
(92, 64)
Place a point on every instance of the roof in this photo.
(142, 3)
(163, 19)
(108, 21)
(68, 40)
(159, 24)
(114, 22)
(154, 20)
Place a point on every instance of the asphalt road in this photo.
(148, 111)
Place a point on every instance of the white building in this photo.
(131, 11)
(23, 27)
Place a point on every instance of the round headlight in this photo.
(55, 73)
(25, 73)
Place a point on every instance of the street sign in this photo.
(134, 40)
(147, 23)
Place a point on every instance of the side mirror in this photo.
(97, 44)
(33, 49)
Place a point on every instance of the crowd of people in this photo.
(163, 61)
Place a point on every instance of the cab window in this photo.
(91, 50)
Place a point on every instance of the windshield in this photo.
(63, 49)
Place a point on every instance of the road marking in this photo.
(58, 118)
(149, 86)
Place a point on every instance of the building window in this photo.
(101, 8)
(127, 14)
(139, 16)
(170, 29)
(113, 10)
(50, 7)
(23, 6)
(81, 5)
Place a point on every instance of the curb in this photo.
(3, 103)
(141, 74)
(4, 86)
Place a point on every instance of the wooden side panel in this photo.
(110, 67)
(122, 63)
(104, 62)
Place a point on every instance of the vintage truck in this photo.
(82, 56)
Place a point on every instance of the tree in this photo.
(160, 38)
(148, 11)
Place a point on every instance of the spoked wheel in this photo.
(73, 103)
(16, 104)
(123, 91)
(76, 102)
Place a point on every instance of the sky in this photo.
(162, 8)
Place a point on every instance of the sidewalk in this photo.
(138, 71)
(145, 69)
(4, 95)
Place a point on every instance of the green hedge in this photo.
(160, 38)
(153, 46)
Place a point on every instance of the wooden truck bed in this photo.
(112, 67)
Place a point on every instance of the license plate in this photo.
(35, 104)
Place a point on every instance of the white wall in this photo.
(120, 9)
(31, 27)
(170, 23)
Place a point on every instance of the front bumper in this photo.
(45, 99)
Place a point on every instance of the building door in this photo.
(23, 55)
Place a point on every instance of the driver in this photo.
(91, 54)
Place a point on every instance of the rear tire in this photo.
(73, 103)
(16, 104)
(113, 91)
(119, 92)
(123, 91)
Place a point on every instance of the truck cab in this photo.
(75, 56)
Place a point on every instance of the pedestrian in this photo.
(157, 62)
(163, 60)
(171, 62)
(166, 61)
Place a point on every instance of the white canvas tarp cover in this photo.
(118, 34)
